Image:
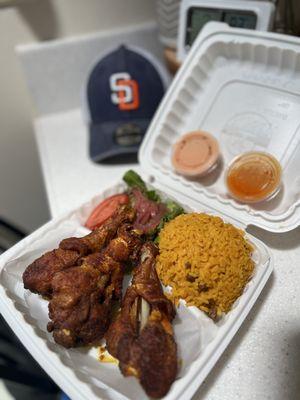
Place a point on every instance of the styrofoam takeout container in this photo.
(77, 371)
(243, 87)
(231, 81)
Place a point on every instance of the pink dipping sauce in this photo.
(195, 154)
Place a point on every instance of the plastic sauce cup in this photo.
(253, 177)
(195, 154)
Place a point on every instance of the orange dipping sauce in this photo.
(253, 177)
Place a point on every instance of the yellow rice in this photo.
(205, 261)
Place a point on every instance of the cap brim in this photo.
(103, 145)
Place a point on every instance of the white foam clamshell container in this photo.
(213, 90)
(243, 87)
(77, 371)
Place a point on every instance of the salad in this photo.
(151, 211)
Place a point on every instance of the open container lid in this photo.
(242, 86)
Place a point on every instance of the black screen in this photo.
(197, 17)
(240, 20)
(200, 17)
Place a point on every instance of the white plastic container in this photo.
(200, 341)
(243, 87)
(221, 68)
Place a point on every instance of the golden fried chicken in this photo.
(142, 338)
(82, 296)
(38, 275)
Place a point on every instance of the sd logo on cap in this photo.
(124, 89)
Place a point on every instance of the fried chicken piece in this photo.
(38, 275)
(83, 296)
(142, 338)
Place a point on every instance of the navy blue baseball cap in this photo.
(123, 91)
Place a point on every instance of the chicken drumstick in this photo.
(83, 296)
(142, 336)
(38, 275)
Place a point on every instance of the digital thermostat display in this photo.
(240, 19)
(198, 17)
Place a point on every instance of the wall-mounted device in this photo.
(194, 14)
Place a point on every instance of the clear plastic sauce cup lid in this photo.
(253, 177)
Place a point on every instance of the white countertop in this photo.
(263, 359)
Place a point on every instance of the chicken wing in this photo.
(83, 296)
(142, 338)
(38, 275)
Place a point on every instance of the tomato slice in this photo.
(105, 210)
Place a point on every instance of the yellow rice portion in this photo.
(206, 261)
